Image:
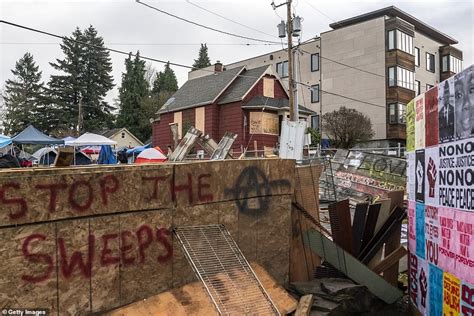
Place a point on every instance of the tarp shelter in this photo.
(91, 139)
(68, 140)
(5, 141)
(137, 150)
(106, 156)
(45, 156)
(31, 135)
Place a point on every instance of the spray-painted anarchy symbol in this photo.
(253, 183)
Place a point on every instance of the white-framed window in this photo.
(396, 113)
(282, 69)
(430, 62)
(391, 77)
(417, 56)
(400, 40)
(445, 63)
(315, 62)
(315, 93)
(401, 77)
(455, 64)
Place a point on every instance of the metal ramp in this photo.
(230, 282)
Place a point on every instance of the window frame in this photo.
(417, 87)
(282, 63)
(315, 88)
(430, 57)
(397, 39)
(417, 57)
(398, 116)
(313, 69)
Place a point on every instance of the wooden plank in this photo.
(353, 268)
(358, 226)
(390, 260)
(383, 216)
(340, 218)
(372, 216)
(304, 305)
(298, 266)
(391, 274)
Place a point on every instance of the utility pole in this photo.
(80, 117)
(289, 33)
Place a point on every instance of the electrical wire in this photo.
(230, 20)
(163, 61)
(148, 44)
(322, 13)
(204, 26)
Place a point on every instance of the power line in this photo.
(161, 61)
(204, 26)
(322, 13)
(230, 20)
(148, 44)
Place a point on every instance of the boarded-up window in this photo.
(178, 118)
(264, 123)
(200, 118)
(268, 87)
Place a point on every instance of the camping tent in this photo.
(45, 156)
(5, 141)
(31, 135)
(151, 155)
(106, 156)
(91, 139)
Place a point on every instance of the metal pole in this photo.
(289, 31)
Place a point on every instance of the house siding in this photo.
(161, 131)
(231, 120)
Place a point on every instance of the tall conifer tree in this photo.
(203, 59)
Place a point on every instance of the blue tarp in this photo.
(137, 150)
(31, 135)
(106, 156)
(5, 141)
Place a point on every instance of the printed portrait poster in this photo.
(420, 175)
(451, 294)
(420, 230)
(431, 118)
(464, 245)
(435, 291)
(446, 255)
(456, 174)
(464, 103)
(410, 121)
(419, 121)
(467, 299)
(432, 232)
(411, 175)
(446, 110)
(411, 226)
(431, 176)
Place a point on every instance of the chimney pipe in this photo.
(218, 67)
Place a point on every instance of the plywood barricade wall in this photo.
(90, 239)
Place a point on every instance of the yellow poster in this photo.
(451, 295)
(263, 123)
(419, 104)
(410, 119)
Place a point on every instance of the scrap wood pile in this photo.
(363, 245)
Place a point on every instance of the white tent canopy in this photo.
(91, 139)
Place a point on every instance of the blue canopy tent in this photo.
(136, 150)
(5, 141)
(31, 135)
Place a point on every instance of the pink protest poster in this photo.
(432, 232)
(464, 246)
(446, 248)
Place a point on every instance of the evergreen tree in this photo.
(203, 59)
(132, 93)
(86, 77)
(24, 104)
(165, 81)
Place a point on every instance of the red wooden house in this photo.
(248, 102)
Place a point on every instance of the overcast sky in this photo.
(129, 26)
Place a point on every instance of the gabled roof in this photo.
(114, 131)
(201, 91)
(394, 11)
(243, 84)
(260, 102)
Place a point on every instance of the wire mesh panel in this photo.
(225, 273)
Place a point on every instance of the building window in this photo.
(444, 63)
(396, 113)
(417, 56)
(315, 93)
(400, 40)
(430, 62)
(123, 134)
(417, 87)
(391, 76)
(455, 64)
(428, 86)
(315, 122)
(401, 77)
(315, 62)
(282, 69)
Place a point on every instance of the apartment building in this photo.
(375, 62)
